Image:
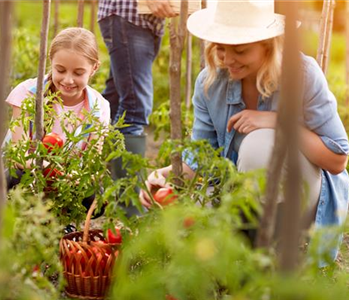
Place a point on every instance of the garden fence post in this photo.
(93, 15)
(202, 42)
(177, 38)
(39, 110)
(326, 25)
(347, 53)
(5, 54)
(80, 20)
(56, 17)
(285, 134)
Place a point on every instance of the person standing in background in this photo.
(133, 41)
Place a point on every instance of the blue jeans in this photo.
(129, 88)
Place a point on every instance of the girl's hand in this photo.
(249, 120)
(156, 180)
(161, 8)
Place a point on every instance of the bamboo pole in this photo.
(39, 113)
(177, 38)
(5, 54)
(328, 36)
(286, 141)
(326, 25)
(56, 17)
(80, 20)
(93, 15)
(202, 42)
(347, 53)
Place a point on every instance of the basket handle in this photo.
(88, 220)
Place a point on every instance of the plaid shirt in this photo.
(128, 9)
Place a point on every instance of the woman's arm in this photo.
(316, 151)
(311, 144)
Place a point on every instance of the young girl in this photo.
(236, 98)
(74, 60)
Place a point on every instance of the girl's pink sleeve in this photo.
(105, 112)
(18, 94)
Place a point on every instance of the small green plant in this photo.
(30, 268)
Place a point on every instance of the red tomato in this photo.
(52, 140)
(48, 172)
(165, 196)
(188, 222)
(114, 238)
(80, 260)
(169, 297)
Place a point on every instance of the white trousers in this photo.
(255, 153)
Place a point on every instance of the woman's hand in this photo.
(155, 180)
(249, 120)
(161, 8)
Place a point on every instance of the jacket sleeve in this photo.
(320, 109)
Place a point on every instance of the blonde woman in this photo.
(236, 98)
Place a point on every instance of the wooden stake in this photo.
(5, 54)
(286, 141)
(177, 38)
(56, 17)
(189, 71)
(326, 25)
(80, 21)
(39, 114)
(290, 103)
(93, 15)
(329, 28)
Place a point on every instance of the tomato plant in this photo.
(165, 196)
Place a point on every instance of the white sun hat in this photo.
(237, 22)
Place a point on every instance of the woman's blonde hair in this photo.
(78, 39)
(268, 75)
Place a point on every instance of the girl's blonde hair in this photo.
(268, 75)
(78, 39)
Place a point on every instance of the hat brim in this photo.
(202, 25)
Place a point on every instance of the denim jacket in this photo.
(319, 114)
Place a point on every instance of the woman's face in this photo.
(71, 72)
(242, 61)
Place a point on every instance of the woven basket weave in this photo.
(87, 262)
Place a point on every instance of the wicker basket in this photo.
(87, 262)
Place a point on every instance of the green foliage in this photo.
(82, 173)
(29, 250)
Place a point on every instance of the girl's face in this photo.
(71, 72)
(242, 61)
